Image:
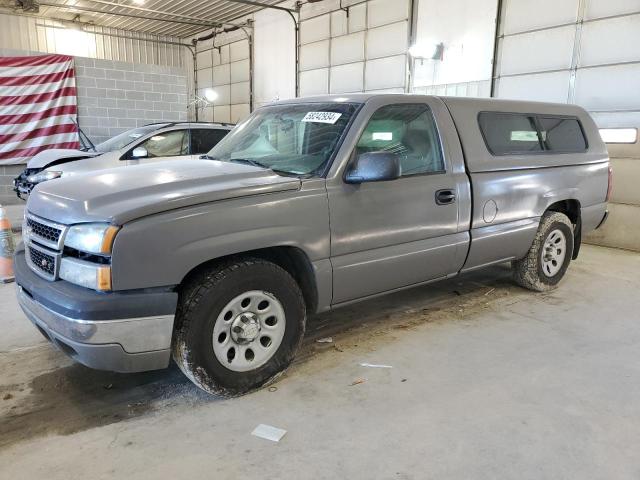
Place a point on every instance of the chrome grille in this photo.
(42, 261)
(43, 241)
(43, 231)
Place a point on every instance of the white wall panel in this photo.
(240, 71)
(466, 28)
(522, 15)
(346, 78)
(225, 55)
(610, 41)
(382, 12)
(387, 72)
(239, 112)
(238, 51)
(204, 59)
(224, 94)
(222, 74)
(314, 82)
(347, 48)
(616, 119)
(206, 114)
(553, 50)
(339, 23)
(222, 113)
(543, 87)
(274, 57)
(599, 8)
(372, 30)
(205, 79)
(315, 29)
(609, 88)
(239, 93)
(357, 18)
(314, 55)
(388, 40)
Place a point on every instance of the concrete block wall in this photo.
(116, 96)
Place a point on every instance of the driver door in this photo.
(392, 234)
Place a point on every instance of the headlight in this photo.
(86, 274)
(43, 176)
(91, 238)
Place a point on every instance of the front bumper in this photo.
(126, 331)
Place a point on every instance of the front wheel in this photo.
(239, 326)
(549, 255)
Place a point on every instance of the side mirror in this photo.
(139, 152)
(374, 167)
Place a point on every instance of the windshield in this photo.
(125, 138)
(295, 139)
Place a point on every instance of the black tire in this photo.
(201, 302)
(528, 271)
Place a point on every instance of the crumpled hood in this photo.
(44, 158)
(119, 195)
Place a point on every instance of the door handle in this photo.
(445, 197)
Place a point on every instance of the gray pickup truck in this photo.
(307, 205)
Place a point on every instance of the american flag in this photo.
(38, 107)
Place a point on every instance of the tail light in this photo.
(609, 184)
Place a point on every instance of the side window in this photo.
(562, 134)
(408, 130)
(167, 144)
(509, 133)
(204, 139)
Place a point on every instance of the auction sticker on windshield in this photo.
(322, 117)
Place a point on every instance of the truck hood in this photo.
(119, 195)
(44, 158)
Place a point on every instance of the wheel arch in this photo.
(292, 259)
(572, 209)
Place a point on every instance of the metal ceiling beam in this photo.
(132, 15)
(264, 5)
(158, 12)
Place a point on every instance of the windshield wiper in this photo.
(248, 161)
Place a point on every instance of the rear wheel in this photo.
(549, 255)
(238, 326)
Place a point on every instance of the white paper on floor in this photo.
(268, 432)
(371, 365)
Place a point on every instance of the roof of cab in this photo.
(469, 102)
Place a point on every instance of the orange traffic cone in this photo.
(7, 247)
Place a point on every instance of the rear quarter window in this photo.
(562, 134)
(520, 133)
(509, 133)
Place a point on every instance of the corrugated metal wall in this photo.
(48, 36)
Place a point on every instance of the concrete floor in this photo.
(488, 381)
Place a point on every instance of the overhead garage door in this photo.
(362, 51)
(584, 52)
(226, 69)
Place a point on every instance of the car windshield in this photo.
(125, 138)
(293, 139)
